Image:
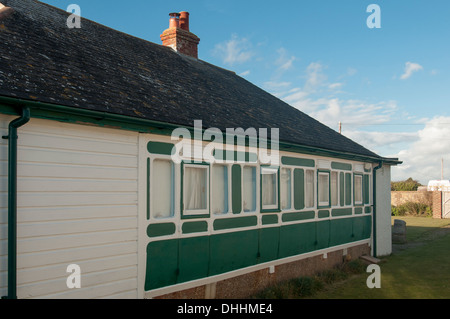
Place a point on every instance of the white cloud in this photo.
(234, 51)
(247, 72)
(336, 85)
(315, 75)
(422, 159)
(410, 68)
(284, 61)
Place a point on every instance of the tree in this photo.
(407, 185)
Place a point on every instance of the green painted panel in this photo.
(233, 251)
(341, 212)
(348, 189)
(193, 258)
(341, 231)
(362, 227)
(367, 209)
(162, 264)
(323, 213)
(233, 156)
(367, 233)
(366, 189)
(160, 148)
(269, 219)
(288, 217)
(194, 227)
(180, 260)
(286, 160)
(297, 239)
(268, 244)
(299, 188)
(156, 230)
(342, 166)
(323, 234)
(236, 192)
(341, 189)
(236, 222)
(358, 210)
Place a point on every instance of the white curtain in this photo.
(309, 190)
(334, 188)
(249, 191)
(195, 183)
(162, 189)
(269, 185)
(285, 188)
(323, 189)
(219, 200)
(358, 189)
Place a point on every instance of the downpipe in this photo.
(374, 214)
(12, 201)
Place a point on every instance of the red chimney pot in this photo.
(184, 20)
(174, 21)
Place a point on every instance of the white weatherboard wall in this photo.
(77, 204)
(383, 211)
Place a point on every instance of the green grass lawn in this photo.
(421, 271)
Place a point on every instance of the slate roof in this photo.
(98, 68)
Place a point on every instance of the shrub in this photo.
(412, 209)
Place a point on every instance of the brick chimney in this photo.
(178, 36)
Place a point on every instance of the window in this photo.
(334, 188)
(269, 187)
(219, 188)
(285, 190)
(323, 189)
(358, 189)
(309, 189)
(162, 189)
(249, 191)
(195, 189)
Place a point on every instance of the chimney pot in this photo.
(184, 20)
(174, 21)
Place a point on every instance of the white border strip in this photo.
(213, 279)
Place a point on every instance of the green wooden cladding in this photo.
(160, 148)
(183, 259)
(295, 161)
(236, 192)
(299, 188)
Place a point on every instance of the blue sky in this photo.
(389, 86)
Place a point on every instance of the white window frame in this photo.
(311, 190)
(153, 184)
(290, 206)
(323, 204)
(226, 187)
(276, 171)
(335, 187)
(255, 194)
(360, 192)
(196, 212)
